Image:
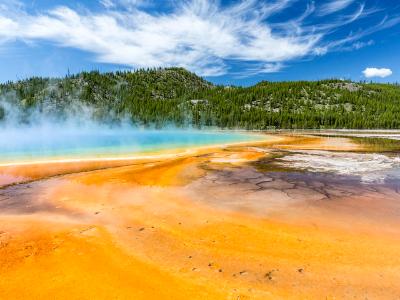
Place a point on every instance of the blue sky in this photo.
(228, 42)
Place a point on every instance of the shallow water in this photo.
(27, 144)
(369, 167)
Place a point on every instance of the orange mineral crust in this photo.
(194, 227)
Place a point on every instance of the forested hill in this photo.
(174, 96)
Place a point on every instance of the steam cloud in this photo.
(45, 129)
(46, 132)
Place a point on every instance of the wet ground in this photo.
(298, 217)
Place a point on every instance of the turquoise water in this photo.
(28, 144)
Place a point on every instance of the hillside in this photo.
(174, 96)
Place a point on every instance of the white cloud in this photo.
(107, 3)
(377, 72)
(200, 35)
(132, 4)
(271, 68)
(334, 6)
(360, 45)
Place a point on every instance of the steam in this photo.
(16, 113)
(46, 132)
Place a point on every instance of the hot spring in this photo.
(58, 142)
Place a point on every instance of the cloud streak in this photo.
(200, 35)
(334, 6)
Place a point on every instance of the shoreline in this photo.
(22, 172)
(279, 135)
(146, 154)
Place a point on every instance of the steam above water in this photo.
(76, 134)
(369, 167)
(59, 141)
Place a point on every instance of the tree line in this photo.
(175, 96)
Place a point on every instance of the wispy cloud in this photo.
(334, 6)
(271, 68)
(107, 3)
(200, 35)
(377, 72)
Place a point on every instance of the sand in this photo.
(194, 226)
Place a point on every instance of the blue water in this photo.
(59, 143)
